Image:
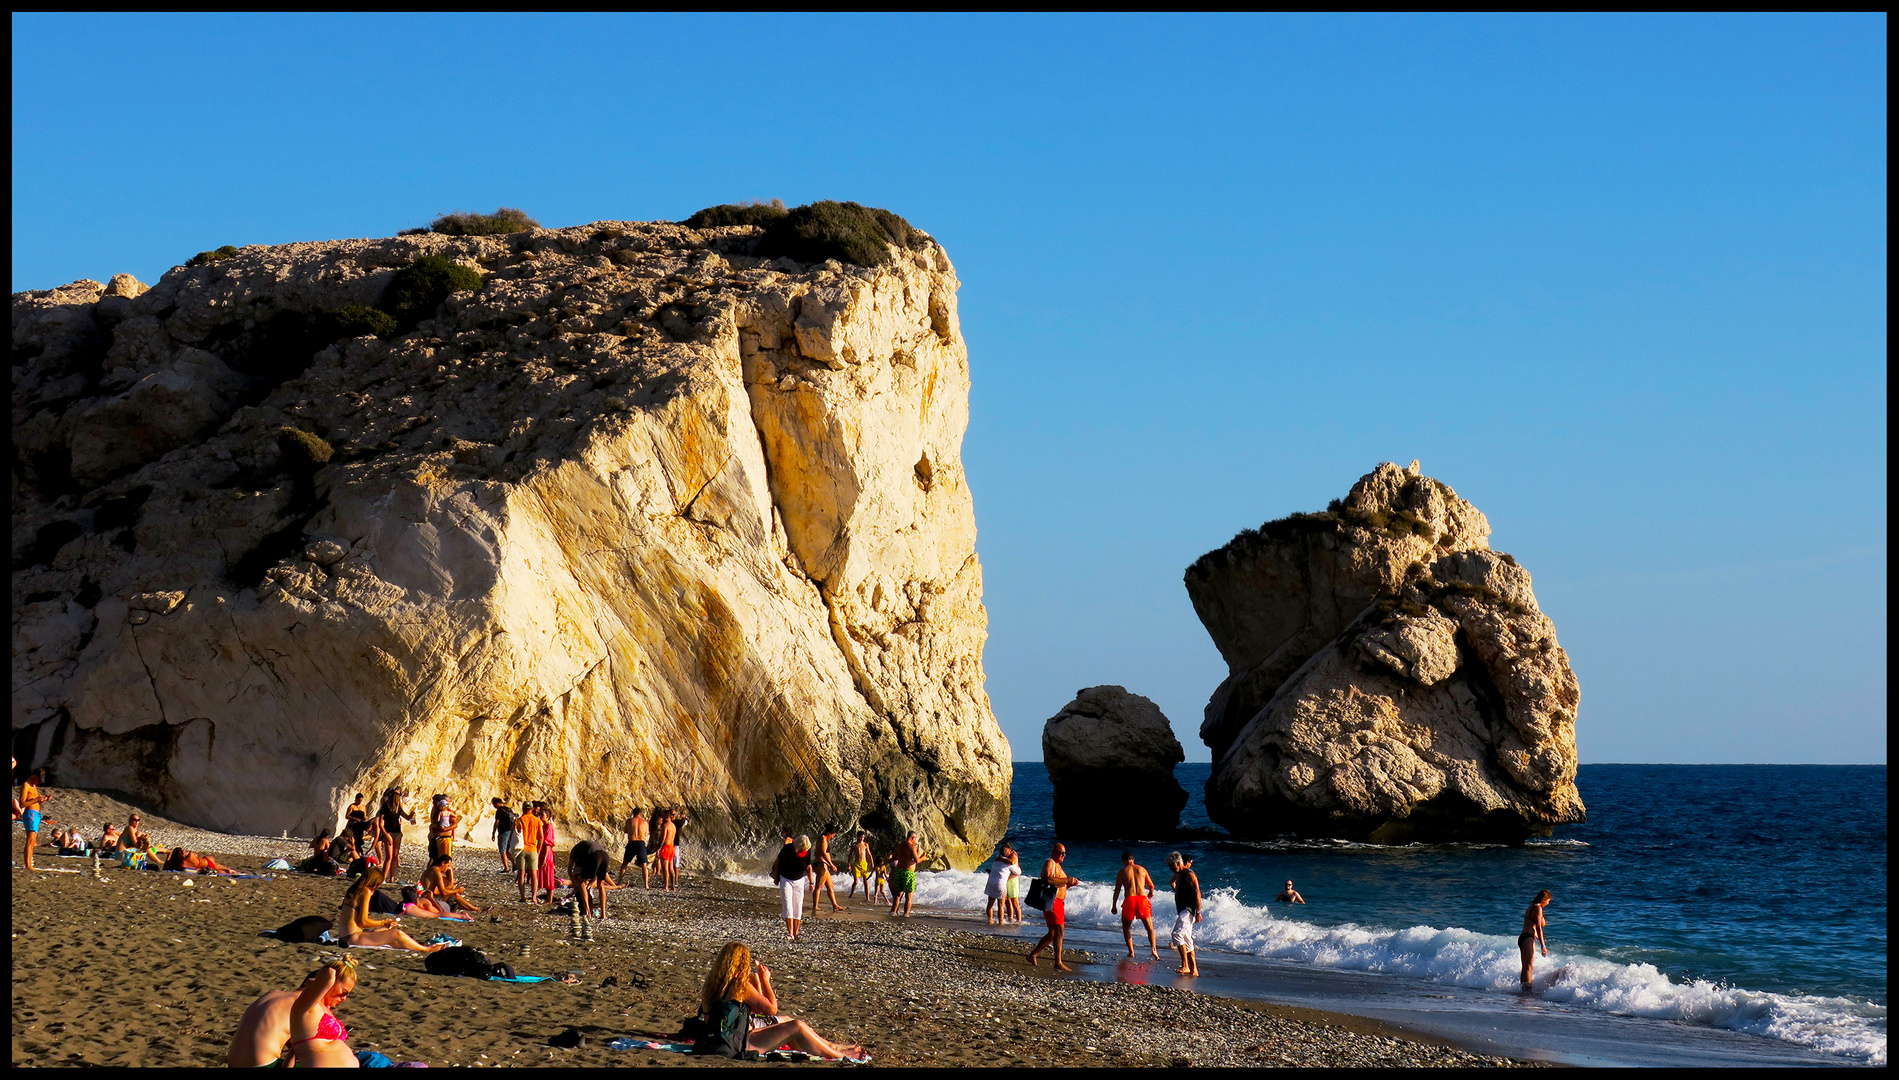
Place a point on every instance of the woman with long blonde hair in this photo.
(736, 977)
(356, 926)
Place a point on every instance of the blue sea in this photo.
(1705, 914)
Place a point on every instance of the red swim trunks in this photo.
(666, 852)
(1137, 908)
(1056, 913)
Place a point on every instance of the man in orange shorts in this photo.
(1139, 887)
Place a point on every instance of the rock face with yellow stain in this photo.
(1391, 678)
(643, 520)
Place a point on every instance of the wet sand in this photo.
(154, 969)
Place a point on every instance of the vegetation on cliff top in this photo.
(504, 220)
(845, 231)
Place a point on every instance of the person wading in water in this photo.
(1532, 935)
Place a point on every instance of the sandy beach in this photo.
(154, 969)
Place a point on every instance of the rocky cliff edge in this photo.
(640, 519)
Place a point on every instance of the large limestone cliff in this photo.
(1390, 677)
(643, 519)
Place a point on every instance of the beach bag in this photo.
(464, 960)
(303, 931)
(1040, 893)
(727, 1026)
(278, 864)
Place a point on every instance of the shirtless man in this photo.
(822, 868)
(1055, 915)
(1532, 935)
(635, 854)
(860, 863)
(1289, 895)
(903, 877)
(439, 880)
(668, 852)
(1139, 886)
(30, 802)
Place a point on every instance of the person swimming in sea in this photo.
(1289, 895)
(1532, 935)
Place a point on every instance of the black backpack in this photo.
(459, 960)
(727, 1027)
(303, 931)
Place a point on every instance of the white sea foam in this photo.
(1851, 1028)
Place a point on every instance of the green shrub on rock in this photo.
(302, 451)
(354, 321)
(738, 214)
(419, 288)
(503, 221)
(845, 231)
(204, 257)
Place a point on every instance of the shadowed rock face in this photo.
(1390, 678)
(643, 519)
(1111, 757)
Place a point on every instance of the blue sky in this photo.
(1618, 280)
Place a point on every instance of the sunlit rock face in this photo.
(641, 520)
(1390, 677)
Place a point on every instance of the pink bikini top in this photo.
(327, 1028)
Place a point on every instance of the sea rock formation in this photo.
(641, 519)
(1390, 677)
(1111, 757)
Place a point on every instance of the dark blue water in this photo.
(1747, 898)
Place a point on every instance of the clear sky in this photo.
(1620, 281)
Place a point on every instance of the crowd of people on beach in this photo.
(738, 1011)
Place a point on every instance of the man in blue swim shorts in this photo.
(30, 802)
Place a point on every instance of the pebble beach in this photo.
(154, 969)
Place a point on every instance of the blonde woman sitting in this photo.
(357, 926)
(740, 1010)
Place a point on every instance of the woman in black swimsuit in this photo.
(358, 819)
(1532, 934)
(393, 813)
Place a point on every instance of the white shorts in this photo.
(793, 892)
(1183, 931)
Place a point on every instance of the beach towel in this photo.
(278, 864)
(630, 1043)
(519, 978)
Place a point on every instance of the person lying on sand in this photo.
(736, 978)
(197, 862)
(423, 906)
(358, 927)
(439, 880)
(265, 1028)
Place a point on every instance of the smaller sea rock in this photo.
(1111, 756)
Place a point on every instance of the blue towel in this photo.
(522, 978)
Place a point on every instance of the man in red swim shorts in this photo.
(1055, 914)
(1138, 886)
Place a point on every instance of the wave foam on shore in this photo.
(1844, 1026)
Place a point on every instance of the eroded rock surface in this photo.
(1111, 757)
(1390, 677)
(643, 519)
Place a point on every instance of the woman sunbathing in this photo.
(423, 906)
(735, 976)
(358, 927)
(271, 1021)
(439, 881)
(180, 859)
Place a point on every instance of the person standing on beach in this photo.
(680, 822)
(1012, 891)
(791, 871)
(547, 879)
(903, 883)
(356, 820)
(1002, 871)
(527, 860)
(821, 870)
(30, 802)
(394, 813)
(1186, 886)
(668, 852)
(503, 831)
(860, 863)
(1139, 887)
(443, 821)
(1289, 895)
(1532, 935)
(635, 853)
(1055, 915)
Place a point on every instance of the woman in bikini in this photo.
(266, 1028)
(196, 862)
(1532, 935)
(357, 926)
(393, 814)
(735, 976)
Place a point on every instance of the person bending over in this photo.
(737, 979)
(589, 868)
(357, 926)
(269, 1025)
